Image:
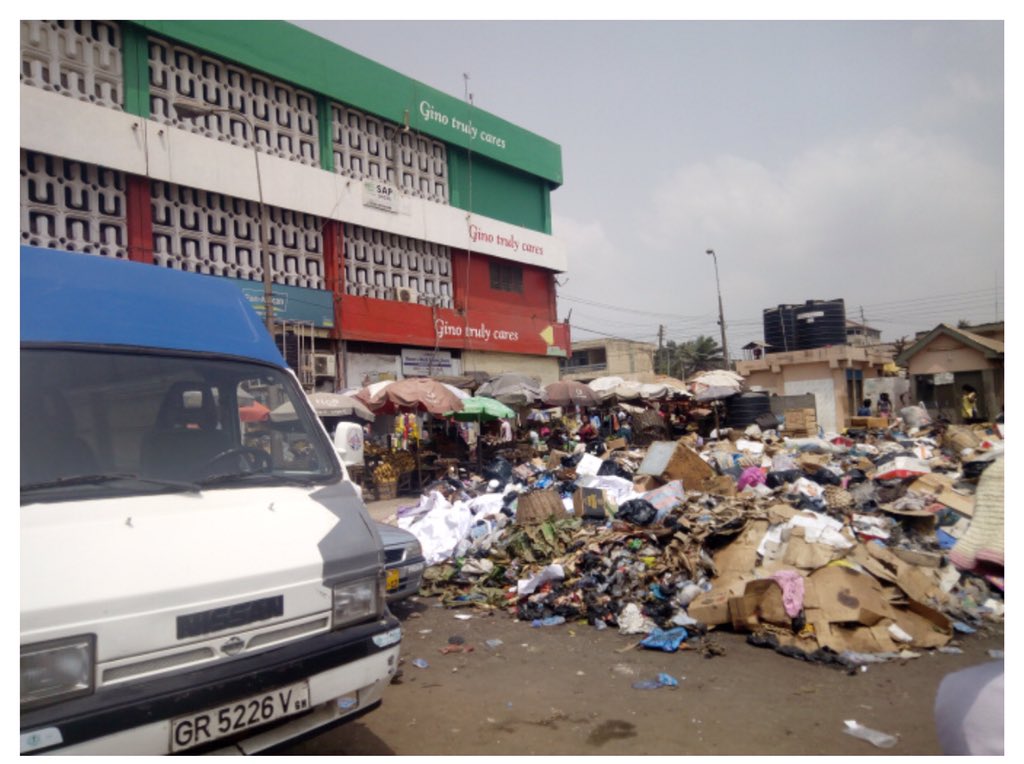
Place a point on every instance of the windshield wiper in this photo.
(241, 477)
(73, 480)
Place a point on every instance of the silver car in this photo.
(404, 562)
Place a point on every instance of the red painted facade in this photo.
(483, 318)
(497, 320)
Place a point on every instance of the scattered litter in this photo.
(420, 663)
(494, 644)
(997, 654)
(663, 680)
(838, 548)
(876, 738)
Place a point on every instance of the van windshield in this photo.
(102, 422)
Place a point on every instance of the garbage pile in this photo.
(858, 547)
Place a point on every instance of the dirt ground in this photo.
(568, 690)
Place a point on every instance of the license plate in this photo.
(391, 582)
(215, 723)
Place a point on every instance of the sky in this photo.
(835, 159)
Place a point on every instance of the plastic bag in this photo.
(636, 511)
(668, 641)
(498, 469)
(612, 467)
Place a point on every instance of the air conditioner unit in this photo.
(405, 294)
(324, 364)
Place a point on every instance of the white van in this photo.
(194, 576)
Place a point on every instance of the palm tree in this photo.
(701, 354)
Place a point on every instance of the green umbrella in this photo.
(481, 409)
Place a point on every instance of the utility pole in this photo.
(721, 313)
(661, 337)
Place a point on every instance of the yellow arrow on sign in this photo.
(548, 335)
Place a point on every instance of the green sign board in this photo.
(290, 303)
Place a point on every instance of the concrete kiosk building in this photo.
(409, 232)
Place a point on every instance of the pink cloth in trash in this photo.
(792, 584)
(750, 476)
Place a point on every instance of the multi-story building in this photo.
(611, 357)
(408, 231)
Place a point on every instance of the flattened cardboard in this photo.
(645, 483)
(805, 555)
(537, 506)
(739, 558)
(920, 558)
(719, 485)
(845, 595)
(928, 627)
(941, 487)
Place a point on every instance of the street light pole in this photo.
(721, 313)
(193, 111)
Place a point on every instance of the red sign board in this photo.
(365, 318)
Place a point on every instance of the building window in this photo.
(506, 277)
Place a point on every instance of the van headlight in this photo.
(57, 670)
(357, 601)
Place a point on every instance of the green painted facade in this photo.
(513, 170)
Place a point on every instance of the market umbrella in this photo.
(605, 387)
(411, 394)
(567, 392)
(512, 389)
(326, 404)
(715, 394)
(481, 409)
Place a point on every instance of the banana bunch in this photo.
(401, 461)
(385, 473)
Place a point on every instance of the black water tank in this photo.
(820, 323)
(780, 329)
(743, 410)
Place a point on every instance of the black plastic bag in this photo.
(596, 447)
(499, 469)
(825, 477)
(636, 511)
(570, 461)
(780, 478)
(767, 421)
(612, 467)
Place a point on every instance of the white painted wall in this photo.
(824, 399)
(58, 125)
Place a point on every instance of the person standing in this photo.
(506, 431)
(968, 403)
(884, 406)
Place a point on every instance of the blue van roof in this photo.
(88, 299)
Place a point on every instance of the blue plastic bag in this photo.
(668, 641)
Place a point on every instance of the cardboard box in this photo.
(869, 422)
(671, 460)
(590, 502)
(616, 445)
(537, 506)
(800, 420)
(761, 601)
(712, 608)
(555, 459)
(645, 483)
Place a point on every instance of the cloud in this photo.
(865, 219)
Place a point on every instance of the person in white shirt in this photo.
(506, 431)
